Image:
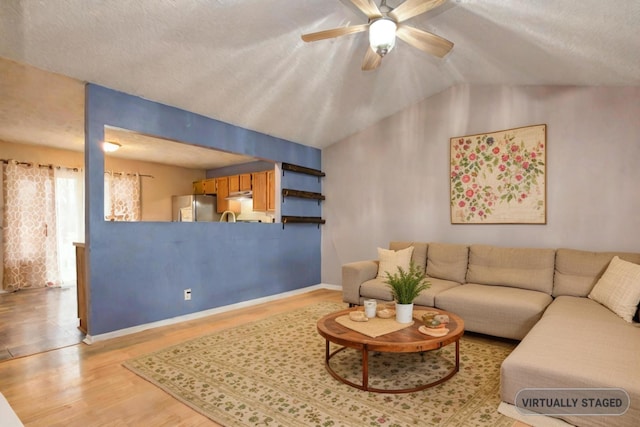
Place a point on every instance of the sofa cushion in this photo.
(577, 343)
(375, 288)
(578, 271)
(524, 268)
(390, 260)
(619, 288)
(428, 296)
(447, 261)
(495, 310)
(419, 256)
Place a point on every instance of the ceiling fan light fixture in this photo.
(382, 35)
(110, 147)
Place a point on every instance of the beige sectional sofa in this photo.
(536, 296)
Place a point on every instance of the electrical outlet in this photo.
(187, 294)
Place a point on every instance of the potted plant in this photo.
(405, 288)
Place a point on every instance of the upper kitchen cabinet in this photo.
(264, 193)
(210, 186)
(259, 191)
(198, 187)
(234, 183)
(240, 182)
(222, 185)
(245, 182)
(205, 186)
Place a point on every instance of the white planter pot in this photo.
(404, 313)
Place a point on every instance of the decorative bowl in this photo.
(358, 316)
(386, 313)
(433, 323)
(428, 316)
(443, 318)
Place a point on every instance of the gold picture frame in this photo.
(499, 177)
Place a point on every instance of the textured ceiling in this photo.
(243, 62)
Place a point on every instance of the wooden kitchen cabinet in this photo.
(245, 182)
(198, 187)
(240, 182)
(264, 191)
(205, 186)
(210, 186)
(222, 204)
(234, 183)
(259, 191)
(271, 191)
(222, 185)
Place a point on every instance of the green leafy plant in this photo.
(407, 285)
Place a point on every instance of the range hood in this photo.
(240, 195)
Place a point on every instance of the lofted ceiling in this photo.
(243, 61)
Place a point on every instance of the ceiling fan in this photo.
(385, 23)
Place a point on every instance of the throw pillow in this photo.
(619, 288)
(391, 260)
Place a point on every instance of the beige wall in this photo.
(42, 155)
(391, 181)
(156, 191)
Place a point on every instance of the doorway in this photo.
(39, 314)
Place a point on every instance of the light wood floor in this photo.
(37, 320)
(86, 385)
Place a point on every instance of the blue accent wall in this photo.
(137, 271)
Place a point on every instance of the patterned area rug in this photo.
(271, 373)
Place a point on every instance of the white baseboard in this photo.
(90, 339)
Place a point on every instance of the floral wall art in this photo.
(499, 177)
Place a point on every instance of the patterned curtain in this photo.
(29, 220)
(121, 197)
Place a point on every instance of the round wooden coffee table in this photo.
(406, 340)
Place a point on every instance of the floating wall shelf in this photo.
(302, 220)
(301, 169)
(288, 192)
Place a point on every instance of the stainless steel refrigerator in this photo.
(194, 207)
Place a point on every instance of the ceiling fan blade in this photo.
(335, 32)
(424, 40)
(371, 60)
(411, 8)
(368, 7)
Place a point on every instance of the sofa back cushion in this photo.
(525, 268)
(419, 256)
(578, 271)
(447, 261)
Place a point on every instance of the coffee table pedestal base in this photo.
(365, 372)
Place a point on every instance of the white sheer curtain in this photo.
(69, 195)
(122, 197)
(29, 241)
